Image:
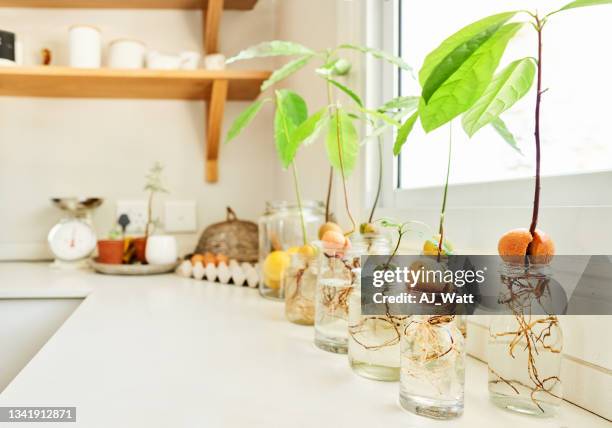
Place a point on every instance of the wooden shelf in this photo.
(112, 83)
(127, 4)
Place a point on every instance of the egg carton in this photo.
(240, 274)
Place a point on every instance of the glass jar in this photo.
(338, 273)
(462, 324)
(524, 350)
(373, 340)
(299, 285)
(432, 366)
(280, 228)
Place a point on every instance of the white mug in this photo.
(85, 46)
(126, 54)
(161, 250)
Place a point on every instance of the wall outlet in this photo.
(180, 216)
(137, 212)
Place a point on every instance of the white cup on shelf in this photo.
(85, 44)
(126, 54)
(190, 60)
(161, 250)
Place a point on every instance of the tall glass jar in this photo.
(299, 285)
(432, 366)
(338, 273)
(524, 350)
(374, 340)
(280, 231)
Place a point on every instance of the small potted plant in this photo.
(153, 185)
(111, 250)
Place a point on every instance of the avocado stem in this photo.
(536, 197)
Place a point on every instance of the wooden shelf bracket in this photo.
(214, 112)
(216, 106)
(212, 23)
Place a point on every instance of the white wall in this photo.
(63, 147)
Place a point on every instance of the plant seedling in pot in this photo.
(111, 250)
(153, 185)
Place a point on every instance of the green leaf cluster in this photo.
(458, 77)
(292, 125)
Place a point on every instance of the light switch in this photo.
(180, 216)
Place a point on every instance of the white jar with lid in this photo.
(85, 46)
(126, 53)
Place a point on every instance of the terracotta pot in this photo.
(140, 247)
(110, 252)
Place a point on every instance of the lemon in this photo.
(274, 265)
(293, 250)
(430, 247)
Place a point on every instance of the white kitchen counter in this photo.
(165, 351)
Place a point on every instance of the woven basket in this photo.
(237, 239)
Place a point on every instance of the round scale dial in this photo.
(72, 240)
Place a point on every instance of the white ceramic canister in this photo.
(214, 62)
(190, 60)
(161, 250)
(160, 61)
(126, 53)
(85, 46)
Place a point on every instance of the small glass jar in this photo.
(338, 273)
(432, 366)
(374, 340)
(280, 228)
(299, 285)
(524, 350)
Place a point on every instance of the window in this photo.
(575, 109)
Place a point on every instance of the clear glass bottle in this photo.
(338, 272)
(524, 351)
(374, 340)
(280, 229)
(299, 285)
(432, 366)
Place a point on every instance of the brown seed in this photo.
(514, 244)
(329, 227)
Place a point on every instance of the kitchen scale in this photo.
(73, 239)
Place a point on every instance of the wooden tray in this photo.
(111, 269)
